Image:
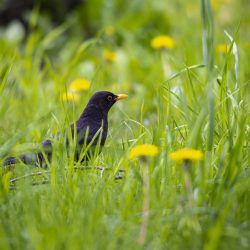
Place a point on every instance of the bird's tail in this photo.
(31, 159)
(38, 158)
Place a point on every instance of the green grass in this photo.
(188, 96)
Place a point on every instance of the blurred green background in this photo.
(175, 101)
(51, 52)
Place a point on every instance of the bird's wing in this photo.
(87, 133)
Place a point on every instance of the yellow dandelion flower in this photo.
(143, 150)
(79, 85)
(215, 4)
(186, 154)
(109, 30)
(162, 42)
(109, 55)
(223, 48)
(70, 97)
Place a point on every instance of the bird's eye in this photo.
(110, 98)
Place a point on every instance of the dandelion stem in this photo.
(145, 208)
(188, 182)
(165, 65)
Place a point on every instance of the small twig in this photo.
(101, 168)
(12, 181)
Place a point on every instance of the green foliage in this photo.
(192, 95)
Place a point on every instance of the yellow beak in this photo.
(121, 96)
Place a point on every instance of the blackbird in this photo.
(91, 129)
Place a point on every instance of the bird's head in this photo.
(104, 100)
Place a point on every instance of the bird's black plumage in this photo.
(91, 127)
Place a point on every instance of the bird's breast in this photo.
(93, 131)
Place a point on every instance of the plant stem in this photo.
(145, 208)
